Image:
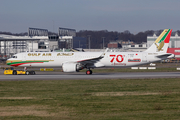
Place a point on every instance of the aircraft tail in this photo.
(162, 42)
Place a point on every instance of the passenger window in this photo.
(14, 57)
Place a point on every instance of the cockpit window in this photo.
(14, 57)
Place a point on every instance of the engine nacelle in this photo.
(72, 67)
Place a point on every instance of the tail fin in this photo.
(162, 42)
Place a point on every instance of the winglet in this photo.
(106, 50)
(104, 53)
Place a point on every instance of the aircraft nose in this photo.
(8, 61)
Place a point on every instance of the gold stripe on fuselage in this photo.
(11, 61)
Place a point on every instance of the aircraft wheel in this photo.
(14, 72)
(89, 72)
(27, 72)
(30, 72)
(33, 73)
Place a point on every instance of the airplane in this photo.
(76, 61)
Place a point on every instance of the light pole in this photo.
(79, 43)
(89, 41)
(103, 42)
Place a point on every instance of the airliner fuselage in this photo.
(75, 61)
(56, 59)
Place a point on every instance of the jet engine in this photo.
(72, 67)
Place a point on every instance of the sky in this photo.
(17, 16)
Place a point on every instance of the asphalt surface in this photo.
(81, 75)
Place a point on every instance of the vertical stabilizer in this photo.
(162, 42)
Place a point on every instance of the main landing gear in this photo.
(88, 72)
(29, 72)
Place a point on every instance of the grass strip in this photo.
(128, 99)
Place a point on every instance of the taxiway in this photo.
(81, 75)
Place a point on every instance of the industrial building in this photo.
(114, 45)
(38, 40)
(174, 41)
(127, 46)
(174, 44)
(134, 47)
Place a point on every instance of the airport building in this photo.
(114, 45)
(39, 40)
(134, 47)
(174, 44)
(127, 46)
(174, 41)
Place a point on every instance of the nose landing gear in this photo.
(29, 72)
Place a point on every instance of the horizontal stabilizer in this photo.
(168, 55)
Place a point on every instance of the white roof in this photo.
(2, 36)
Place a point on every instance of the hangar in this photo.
(40, 40)
(174, 44)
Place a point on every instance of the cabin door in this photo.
(23, 57)
(144, 57)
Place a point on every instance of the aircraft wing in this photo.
(93, 60)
